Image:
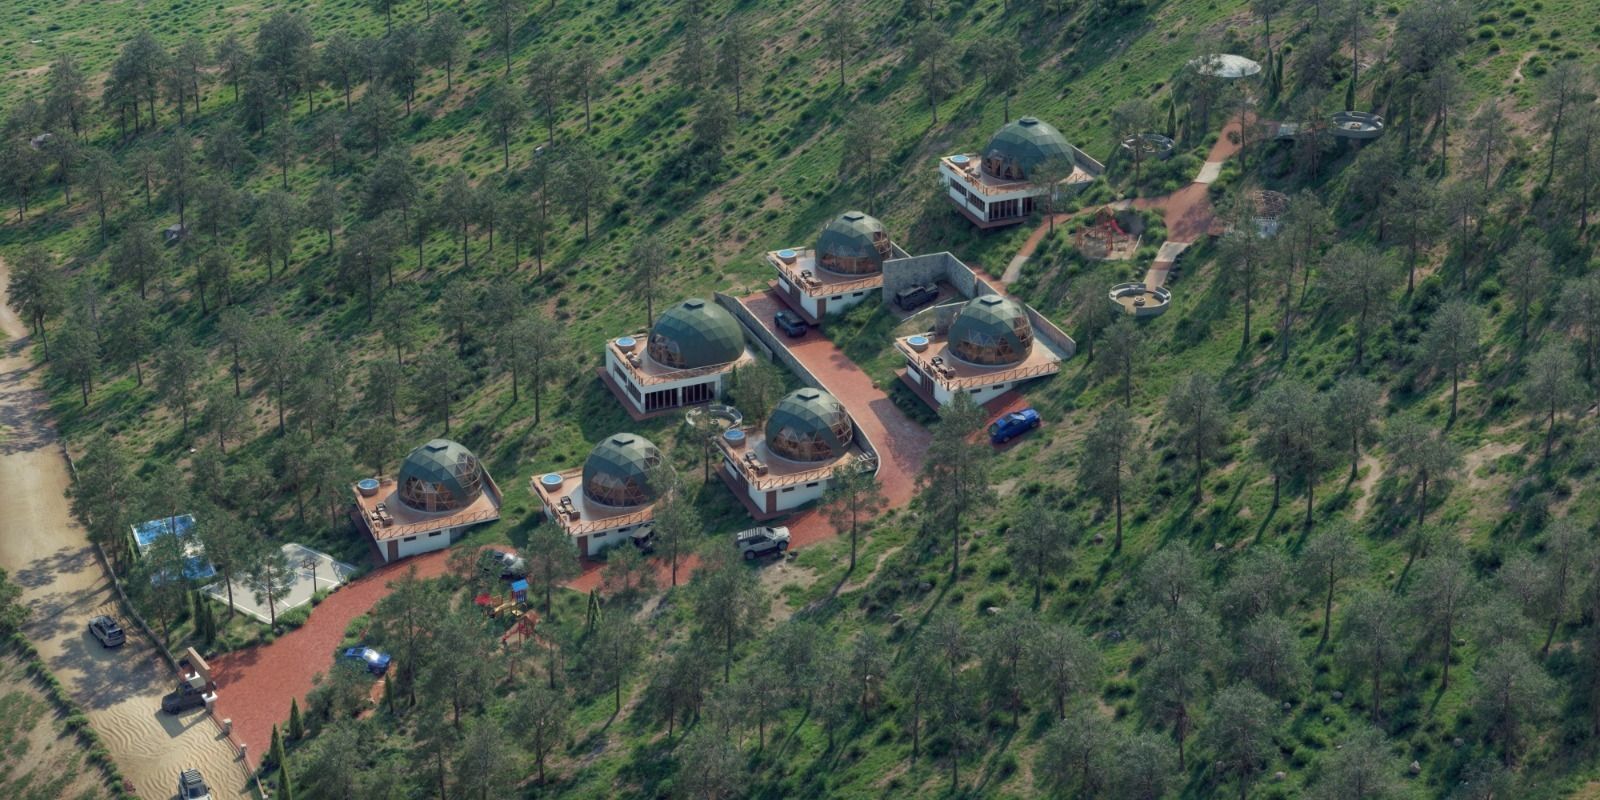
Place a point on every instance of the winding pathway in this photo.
(1187, 213)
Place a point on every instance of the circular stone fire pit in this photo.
(723, 417)
(1357, 125)
(1141, 302)
(1150, 145)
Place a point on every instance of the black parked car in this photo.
(912, 298)
(182, 699)
(791, 324)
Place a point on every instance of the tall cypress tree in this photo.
(281, 761)
(297, 726)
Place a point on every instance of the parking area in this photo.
(312, 570)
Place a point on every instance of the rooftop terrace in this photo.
(967, 165)
(575, 513)
(935, 360)
(396, 520)
(800, 267)
(646, 371)
(766, 470)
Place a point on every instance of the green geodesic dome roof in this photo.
(440, 476)
(617, 472)
(991, 330)
(695, 333)
(853, 242)
(809, 425)
(1023, 144)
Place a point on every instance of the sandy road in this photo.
(49, 556)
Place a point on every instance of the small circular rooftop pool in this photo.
(550, 480)
(786, 253)
(959, 159)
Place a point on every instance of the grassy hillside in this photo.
(776, 180)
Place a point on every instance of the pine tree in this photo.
(297, 726)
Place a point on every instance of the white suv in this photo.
(760, 541)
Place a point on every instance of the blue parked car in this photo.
(376, 663)
(1013, 425)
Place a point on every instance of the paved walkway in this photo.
(1187, 213)
(62, 582)
(254, 685)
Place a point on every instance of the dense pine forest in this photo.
(1326, 528)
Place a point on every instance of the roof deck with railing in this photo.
(765, 470)
(575, 513)
(647, 371)
(387, 517)
(801, 269)
(969, 166)
(931, 354)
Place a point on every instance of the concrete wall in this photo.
(900, 273)
(421, 543)
(1044, 329)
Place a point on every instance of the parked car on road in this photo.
(914, 297)
(107, 631)
(509, 565)
(191, 786)
(791, 324)
(761, 541)
(1013, 425)
(375, 662)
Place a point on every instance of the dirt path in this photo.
(1187, 212)
(49, 556)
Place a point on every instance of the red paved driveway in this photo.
(899, 441)
(254, 686)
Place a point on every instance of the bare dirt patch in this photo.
(779, 576)
(42, 758)
(1367, 484)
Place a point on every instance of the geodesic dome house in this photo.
(991, 330)
(695, 333)
(617, 472)
(440, 475)
(853, 244)
(809, 425)
(1023, 144)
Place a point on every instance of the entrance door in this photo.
(394, 550)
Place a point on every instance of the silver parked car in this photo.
(761, 541)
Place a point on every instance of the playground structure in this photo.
(1269, 208)
(1357, 125)
(1105, 238)
(524, 621)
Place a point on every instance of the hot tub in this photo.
(787, 255)
(627, 343)
(367, 486)
(734, 437)
(917, 343)
(550, 480)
